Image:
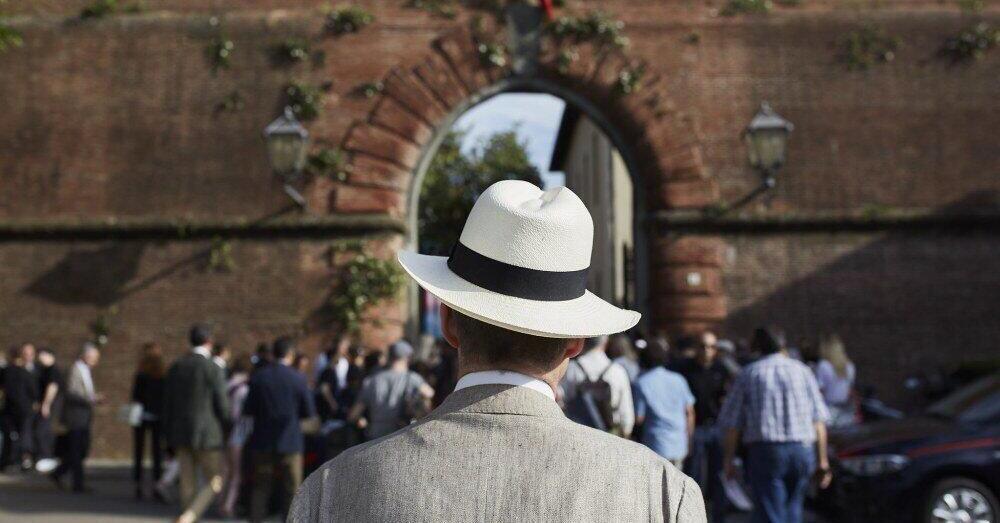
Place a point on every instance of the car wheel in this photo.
(961, 500)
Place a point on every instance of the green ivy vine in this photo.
(348, 19)
(629, 79)
(868, 46)
(219, 53)
(102, 8)
(9, 38)
(306, 100)
(596, 27)
(327, 162)
(290, 51)
(492, 54)
(442, 8)
(971, 44)
(364, 281)
(746, 7)
(100, 328)
(220, 256)
(369, 89)
(605, 33)
(231, 103)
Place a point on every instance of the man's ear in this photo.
(448, 328)
(573, 348)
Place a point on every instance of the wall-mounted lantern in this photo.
(766, 138)
(287, 142)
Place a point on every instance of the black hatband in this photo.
(511, 280)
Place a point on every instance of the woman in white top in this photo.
(835, 375)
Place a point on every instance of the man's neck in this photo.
(551, 378)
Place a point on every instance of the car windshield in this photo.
(976, 402)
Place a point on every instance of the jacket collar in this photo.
(499, 399)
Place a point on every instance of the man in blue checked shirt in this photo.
(776, 406)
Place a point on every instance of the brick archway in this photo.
(390, 150)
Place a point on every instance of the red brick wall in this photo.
(117, 118)
(53, 291)
(903, 303)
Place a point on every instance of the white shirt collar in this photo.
(505, 377)
(203, 351)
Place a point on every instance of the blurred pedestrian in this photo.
(278, 401)
(194, 413)
(392, 397)
(727, 356)
(664, 406)
(373, 361)
(236, 390)
(50, 383)
(221, 355)
(621, 350)
(336, 384)
(78, 415)
(687, 348)
(776, 408)
(303, 365)
(708, 378)
(20, 404)
(262, 356)
(341, 347)
(835, 374)
(593, 379)
(147, 392)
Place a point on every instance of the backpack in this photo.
(592, 405)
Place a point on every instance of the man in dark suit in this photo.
(194, 411)
(20, 403)
(78, 414)
(279, 399)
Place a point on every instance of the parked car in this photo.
(940, 466)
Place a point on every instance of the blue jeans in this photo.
(704, 466)
(779, 476)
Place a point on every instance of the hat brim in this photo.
(583, 317)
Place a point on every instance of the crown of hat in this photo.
(517, 223)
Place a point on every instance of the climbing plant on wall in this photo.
(290, 51)
(305, 99)
(219, 52)
(347, 19)
(327, 161)
(972, 43)
(365, 281)
(868, 46)
(740, 7)
(9, 38)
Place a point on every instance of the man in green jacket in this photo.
(194, 411)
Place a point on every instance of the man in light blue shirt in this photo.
(664, 406)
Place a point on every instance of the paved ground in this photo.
(30, 498)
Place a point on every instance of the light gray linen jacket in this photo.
(498, 453)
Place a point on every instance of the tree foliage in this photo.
(455, 179)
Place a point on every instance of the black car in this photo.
(941, 466)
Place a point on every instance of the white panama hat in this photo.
(521, 263)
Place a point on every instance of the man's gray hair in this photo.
(87, 347)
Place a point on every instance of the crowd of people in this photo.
(227, 430)
(748, 413)
(231, 429)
